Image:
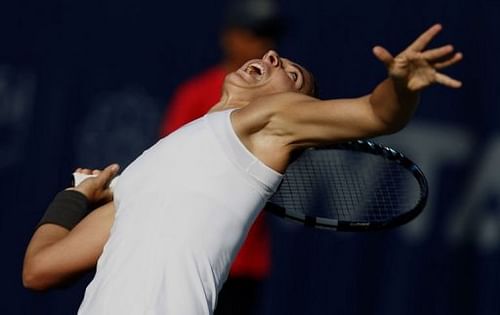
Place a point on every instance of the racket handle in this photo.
(79, 177)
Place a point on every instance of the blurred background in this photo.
(86, 83)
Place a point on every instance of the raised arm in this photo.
(299, 120)
(57, 251)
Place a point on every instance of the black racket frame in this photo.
(370, 147)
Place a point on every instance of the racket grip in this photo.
(79, 177)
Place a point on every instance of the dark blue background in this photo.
(85, 82)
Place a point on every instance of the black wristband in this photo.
(67, 209)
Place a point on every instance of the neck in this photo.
(227, 102)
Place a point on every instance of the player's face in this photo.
(269, 75)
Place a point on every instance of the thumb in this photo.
(383, 55)
(105, 176)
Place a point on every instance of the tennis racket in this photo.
(353, 186)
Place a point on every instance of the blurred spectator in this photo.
(250, 29)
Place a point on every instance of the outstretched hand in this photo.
(417, 68)
(96, 188)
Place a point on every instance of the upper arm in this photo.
(298, 120)
(55, 254)
(313, 122)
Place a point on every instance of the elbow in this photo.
(32, 284)
(32, 280)
(34, 276)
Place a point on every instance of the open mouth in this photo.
(255, 69)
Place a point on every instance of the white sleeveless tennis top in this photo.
(184, 208)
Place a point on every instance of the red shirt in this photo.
(192, 100)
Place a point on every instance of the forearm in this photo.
(393, 104)
(71, 234)
(56, 254)
(38, 267)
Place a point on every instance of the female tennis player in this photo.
(185, 205)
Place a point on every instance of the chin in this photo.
(235, 83)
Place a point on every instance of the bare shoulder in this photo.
(262, 127)
(265, 110)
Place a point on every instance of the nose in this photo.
(273, 58)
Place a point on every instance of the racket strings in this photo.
(347, 186)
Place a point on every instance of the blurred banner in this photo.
(86, 83)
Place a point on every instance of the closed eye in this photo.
(293, 75)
